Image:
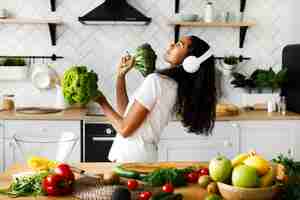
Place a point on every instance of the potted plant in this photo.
(261, 80)
(229, 64)
(13, 69)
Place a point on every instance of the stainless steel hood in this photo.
(114, 12)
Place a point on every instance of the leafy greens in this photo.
(145, 59)
(80, 85)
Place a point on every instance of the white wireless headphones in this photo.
(191, 64)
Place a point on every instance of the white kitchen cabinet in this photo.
(268, 138)
(296, 141)
(178, 145)
(2, 150)
(13, 154)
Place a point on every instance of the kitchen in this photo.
(44, 29)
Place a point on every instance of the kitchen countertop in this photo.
(190, 192)
(80, 114)
(68, 114)
(260, 116)
(5, 179)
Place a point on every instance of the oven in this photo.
(97, 141)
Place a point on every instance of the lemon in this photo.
(259, 163)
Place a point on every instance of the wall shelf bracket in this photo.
(53, 5)
(52, 30)
(243, 32)
(243, 5)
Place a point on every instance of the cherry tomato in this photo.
(168, 188)
(132, 184)
(65, 171)
(203, 171)
(145, 196)
(192, 177)
(55, 185)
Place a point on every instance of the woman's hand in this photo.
(99, 98)
(126, 64)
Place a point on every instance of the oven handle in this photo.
(96, 139)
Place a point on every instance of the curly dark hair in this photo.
(196, 98)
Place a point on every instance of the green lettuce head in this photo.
(80, 85)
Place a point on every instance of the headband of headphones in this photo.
(191, 64)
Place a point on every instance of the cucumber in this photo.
(124, 173)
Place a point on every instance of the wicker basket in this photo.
(89, 189)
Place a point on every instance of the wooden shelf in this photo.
(242, 26)
(31, 21)
(213, 24)
(51, 22)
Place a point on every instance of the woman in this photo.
(186, 88)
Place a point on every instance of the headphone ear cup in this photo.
(191, 64)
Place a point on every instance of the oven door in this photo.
(97, 148)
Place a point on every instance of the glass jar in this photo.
(8, 102)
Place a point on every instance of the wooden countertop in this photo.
(80, 114)
(260, 116)
(192, 192)
(68, 114)
(5, 179)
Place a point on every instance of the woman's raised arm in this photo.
(121, 92)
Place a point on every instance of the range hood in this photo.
(114, 12)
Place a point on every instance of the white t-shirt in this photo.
(158, 95)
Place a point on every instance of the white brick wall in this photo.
(100, 47)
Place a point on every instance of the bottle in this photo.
(8, 102)
(270, 106)
(283, 105)
(209, 12)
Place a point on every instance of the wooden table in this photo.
(5, 179)
(190, 193)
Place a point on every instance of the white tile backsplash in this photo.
(100, 47)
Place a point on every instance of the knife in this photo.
(85, 173)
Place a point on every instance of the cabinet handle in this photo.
(290, 152)
(99, 139)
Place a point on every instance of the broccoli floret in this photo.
(145, 59)
(80, 85)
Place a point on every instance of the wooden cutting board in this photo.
(224, 110)
(145, 168)
(37, 110)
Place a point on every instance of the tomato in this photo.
(168, 188)
(192, 177)
(145, 196)
(65, 171)
(55, 185)
(203, 171)
(132, 184)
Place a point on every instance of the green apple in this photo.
(245, 176)
(220, 168)
(213, 197)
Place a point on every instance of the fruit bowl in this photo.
(230, 192)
